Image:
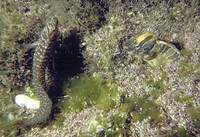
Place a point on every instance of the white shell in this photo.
(27, 102)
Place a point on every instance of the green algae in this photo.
(194, 112)
(185, 68)
(137, 22)
(59, 121)
(197, 68)
(106, 125)
(183, 98)
(17, 29)
(95, 91)
(7, 108)
(159, 85)
(78, 15)
(8, 113)
(87, 91)
(141, 108)
(182, 132)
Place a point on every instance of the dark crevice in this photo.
(67, 62)
(178, 45)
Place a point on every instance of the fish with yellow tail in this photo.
(149, 48)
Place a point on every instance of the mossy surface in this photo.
(106, 125)
(197, 68)
(8, 113)
(185, 68)
(159, 85)
(87, 91)
(182, 132)
(6, 109)
(194, 112)
(141, 108)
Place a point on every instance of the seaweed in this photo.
(87, 91)
(119, 93)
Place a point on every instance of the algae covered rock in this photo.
(117, 95)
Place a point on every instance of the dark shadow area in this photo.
(178, 45)
(67, 62)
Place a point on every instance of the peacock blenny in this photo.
(41, 59)
(149, 48)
